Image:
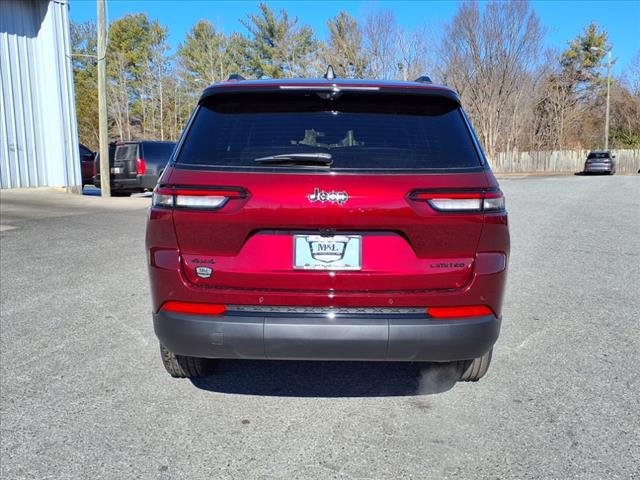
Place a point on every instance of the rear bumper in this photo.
(599, 167)
(130, 184)
(304, 337)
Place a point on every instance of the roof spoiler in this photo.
(283, 85)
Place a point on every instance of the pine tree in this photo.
(276, 46)
(205, 56)
(344, 47)
(83, 45)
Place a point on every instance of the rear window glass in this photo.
(598, 155)
(126, 152)
(360, 131)
(112, 150)
(158, 150)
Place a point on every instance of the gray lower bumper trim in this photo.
(319, 338)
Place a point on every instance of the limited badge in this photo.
(204, 272)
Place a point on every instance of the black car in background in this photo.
(87, 157)
(600, 162)
(135, 166)
(96, 164)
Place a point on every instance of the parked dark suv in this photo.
(87, 158)
(327, 219)
(600, 162)
(136, 166)
(96, 164)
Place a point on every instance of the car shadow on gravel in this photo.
(327, 379)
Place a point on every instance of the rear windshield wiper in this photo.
(311, 158)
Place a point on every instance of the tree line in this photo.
(518, 95)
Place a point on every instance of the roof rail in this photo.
(235, 77)
(423, 79)
(330, 75)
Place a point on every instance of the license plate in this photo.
(337, 252)
(116, 170)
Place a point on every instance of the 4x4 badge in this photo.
(331, 197)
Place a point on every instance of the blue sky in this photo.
(563, 19)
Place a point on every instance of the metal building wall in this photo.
(38, 129)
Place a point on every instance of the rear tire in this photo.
(474, 370)
(181, 366)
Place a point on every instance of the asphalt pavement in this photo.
(83, 393)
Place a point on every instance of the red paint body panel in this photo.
(250, 240)
(413, 256)
(171, 284)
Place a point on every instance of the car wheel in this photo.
(474, 370)
(181, 366)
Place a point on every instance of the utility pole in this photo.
(105, 167)
(606, 121)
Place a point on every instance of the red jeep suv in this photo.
(327, 219)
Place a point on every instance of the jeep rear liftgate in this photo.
(381, 233)
(348, 192)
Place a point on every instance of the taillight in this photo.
(459, 312)
(199, 198)
(141, 167)
(192, 308)
(462, 201)
(493, 201)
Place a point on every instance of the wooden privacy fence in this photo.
(560, 161)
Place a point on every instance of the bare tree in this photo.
(557, 110)
(487, 57)
(118, 94)
(380, 35)
(344, 48)
(633, 74)
(413, 55)
(393, 52)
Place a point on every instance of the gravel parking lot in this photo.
(84, 395)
